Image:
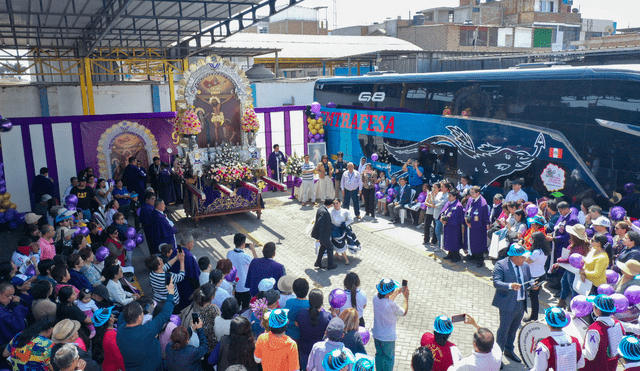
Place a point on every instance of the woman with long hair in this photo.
(428, 215)
(237, 348)
(113, 274)
(342, 235)
(202, 304)
(445, 353)
(520, 224)
(578, 244)
(313, 323)
(596, 262)
(356, 298)
(324, 186)
(228, 310)
(352, 339)
(92, 273)
(369, 179)
(31, 349)
(114, 244)
(103, 192)
(105, 349)
(67, 309)
(75, 264)
(184, 357)
(111, 209)
(537, 258)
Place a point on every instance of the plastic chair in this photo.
(403, 213)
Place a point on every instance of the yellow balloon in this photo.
(6, 204)
(3, 210)
(310, 126)
(319, 119)
(13, 206)
(7, 196)
(321, 131)
(314, 132)
(310, 120)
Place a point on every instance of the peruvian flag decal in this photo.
(555, 152)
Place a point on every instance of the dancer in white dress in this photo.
(342, 236)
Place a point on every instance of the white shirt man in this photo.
(486, 356)
(307, 189)
(516, 192)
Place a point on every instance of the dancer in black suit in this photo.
(322, 232)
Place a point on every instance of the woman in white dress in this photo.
(324, 186)
(342, 236)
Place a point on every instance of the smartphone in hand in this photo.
(195, 318)
(404, 283)
(458, 318)
(180, 249)
(167, 278)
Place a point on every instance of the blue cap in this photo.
(337, 359)
(603, 302)
(443, 325)
(386, 286)
(278, 318)
(538, 219)
(629, 348)
(133, 194)
(101, 316)
(556, 317)
(516, 250)
(364, 364)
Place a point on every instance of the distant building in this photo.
(296, 20)
(389, 27)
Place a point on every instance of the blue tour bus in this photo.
(568, 129)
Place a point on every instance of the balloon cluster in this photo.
(315, 123)
(133, 239)
(5, 125)
(8, 212)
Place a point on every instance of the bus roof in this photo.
(622, 71)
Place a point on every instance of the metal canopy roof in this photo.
(174, 26)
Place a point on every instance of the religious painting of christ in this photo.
(124, 146)
(219, 109)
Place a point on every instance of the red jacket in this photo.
(603, 360)
(441, 354)
(551, 343)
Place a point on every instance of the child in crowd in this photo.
(205, 268)
(95, 235)
(393, 184)
(111, 210)
(383, 183)
(86, 304)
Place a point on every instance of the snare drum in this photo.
(532, 332)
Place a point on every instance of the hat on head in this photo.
(516, 250)
(278, 318)
(133, 194)
(518, 182)
(631, 267)
(82, 179)
(101, 316)
(102, 291)
(337, 359)
(629, 348)
(285, 283)
(272, 296)
(335, 329)
(443, 325)
(45, 198)
(266, 284)
(19, 279)
(577, 230)
(602, 221)
(31, 218)
(64, 330)
(386, 286)
(364, 364)
(556, 317)
(62, 210)
(538, 219)
(603, 302)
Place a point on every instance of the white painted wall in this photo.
(20, 101)
(502, 36)
(522, 38)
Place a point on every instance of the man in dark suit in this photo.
(154, 171)
(322, 232)
(402, 199)
(510, 277)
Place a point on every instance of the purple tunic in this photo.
(477, 214)
(146, 218)
(166, 191)
(452, 231)
(162, 230)
(561, 236)
(187, 286)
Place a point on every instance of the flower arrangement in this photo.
(260, 309)
(230, 174)
(250, 121)
(293, 166)
(187, 122)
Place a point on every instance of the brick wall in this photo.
(431, 37)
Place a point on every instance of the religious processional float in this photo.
(216, 131)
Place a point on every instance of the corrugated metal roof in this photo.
(317, 46)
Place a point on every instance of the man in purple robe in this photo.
(146, 218)
(191, 280)
(134, 176)
(276, 161)
(452, 217)
(477, 219)
(560, 238)
(166, 190)
(162, 228)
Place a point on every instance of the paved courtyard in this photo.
(394, 251)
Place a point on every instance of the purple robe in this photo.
(162, 231)
(274, 164)
(135, 179)
(477, 214)
(191, 280)
(146, 218)
(452, 231)
(561, 236)
(166, 191)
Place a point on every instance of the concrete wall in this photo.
(350, 31)
(522, 38)
(20, 101)
(429, 37)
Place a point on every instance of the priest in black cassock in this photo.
(146, 218)
(166, 191)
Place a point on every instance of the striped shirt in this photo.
(351, 181)
(159, 289)
(309, 166)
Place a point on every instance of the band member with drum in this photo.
(629, 350)
(602, 337)
(557, 346)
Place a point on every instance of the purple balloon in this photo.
(5, 125)
(377, 187)
(102, 253)
(617, 213)
(636, 223)
(576, 260)
(633, 294)
(71, 200)
(2, 221)
(612, 277)
(622, 303)
(337, 298)
(606, 289)
(532, 210)
(309, 135)
(297, 182)
(129, 245)
(629, 187)
(331, 105)
(392, 192)
(312, 140)
(84, 231)
(580, 306)
(374, 157)
(1, 215)
(130, 233)
(315, 108)
(20, 218)
(589, 232)
(175, 319)
(13, 225)
(421, 197)
(316, 137)
(389, 199)
(31, 270)
(3, 190)
(379, 195)
(3, 182)
(9, 215)
(139, 238)
(364, 334)
(231, 277)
